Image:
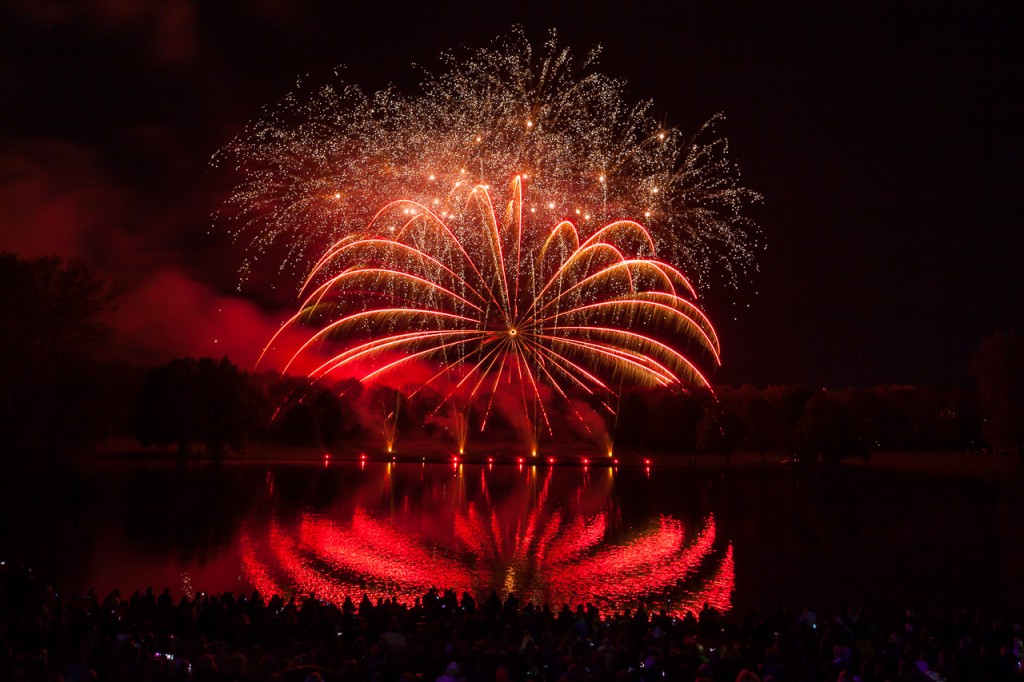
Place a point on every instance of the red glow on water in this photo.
(532, 540)
(255, 571)
(718, 594)
(580, 536)
(376, 549)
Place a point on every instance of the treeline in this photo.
(57, 398)
(823, 424)
(213, 404)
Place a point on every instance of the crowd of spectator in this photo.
(443, 637)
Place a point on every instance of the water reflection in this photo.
(550, 536)
(929, 541)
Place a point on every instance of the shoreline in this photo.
(950, 463)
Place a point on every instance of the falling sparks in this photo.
(492, 304)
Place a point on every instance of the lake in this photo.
(666, 537)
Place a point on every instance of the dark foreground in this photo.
(46, 636)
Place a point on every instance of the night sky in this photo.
(886, 141)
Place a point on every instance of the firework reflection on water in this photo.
(548, 536)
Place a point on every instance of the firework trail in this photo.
(494, 305)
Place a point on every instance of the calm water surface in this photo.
(668, 537)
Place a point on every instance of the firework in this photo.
(317, 167)
(572, 286)
(494, 303)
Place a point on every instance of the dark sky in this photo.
(885, 138)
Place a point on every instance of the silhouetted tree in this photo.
(826, 428)
(630, 425)
(961, 420)
(657, 419)
(190, 401)
(720, 429)
(320, 417)
(998, 366)
(298, 425)
(787, 405)
(867, 417)
(758, 416)
(54, 316)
